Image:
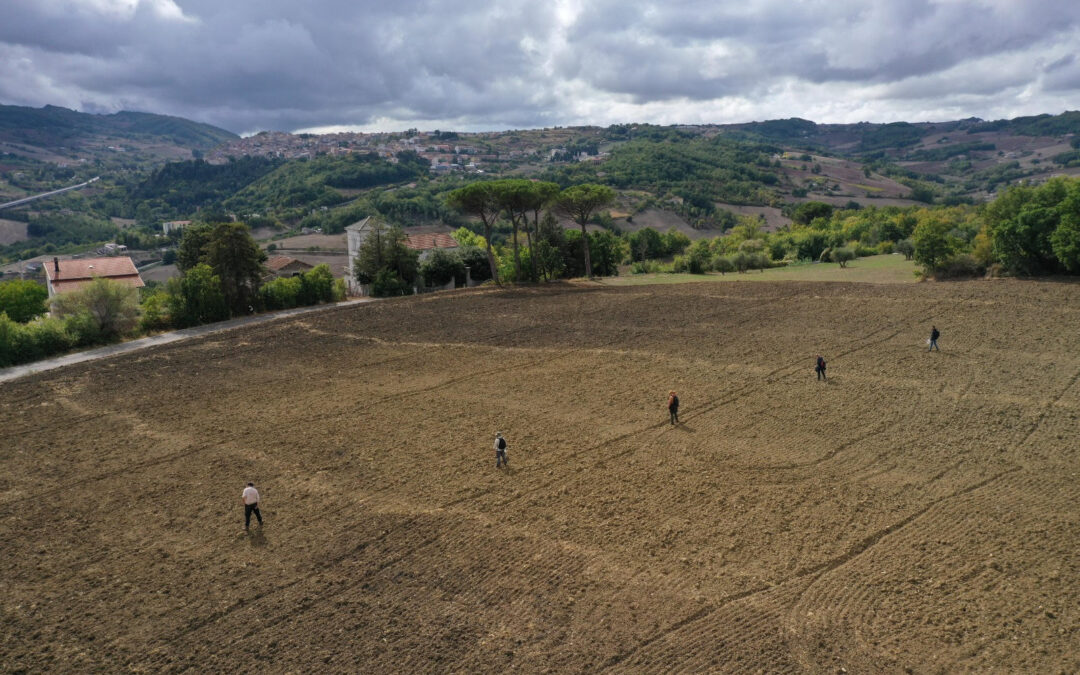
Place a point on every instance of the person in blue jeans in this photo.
(934, 335)
(819, 368)
(500, 451)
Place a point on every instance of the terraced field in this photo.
(919, 511)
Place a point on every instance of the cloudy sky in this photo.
(288, 65)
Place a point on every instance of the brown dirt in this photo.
(918, 511)
(12, 231)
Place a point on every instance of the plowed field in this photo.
(919, 511)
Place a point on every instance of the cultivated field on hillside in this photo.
(919, 511)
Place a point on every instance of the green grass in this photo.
(878, 269)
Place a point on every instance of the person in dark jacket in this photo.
(500, 451)
(673, 406)
(820, 368)
(934, 335)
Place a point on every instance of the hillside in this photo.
(917, 513)
(696, 178)
(52, 133)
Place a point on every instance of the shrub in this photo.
(283, 293)
(958, 267)
(741, 261)
(101, 311)
(21, 343)
(443, 266)
(885, 247)
(646, 267)
(476, 260)
(22, 300)
(690, 264)
(862, 250)
(155, 312)
(842, 255)
(316, 285)
(723, 264)
(907, 247)
(387, 284)
(196, 298)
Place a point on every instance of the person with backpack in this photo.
(934, 335)
(673, 406)
(500, 451)
(820, 369)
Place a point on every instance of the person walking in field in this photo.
(250, 498)
(934, 335)
(673, 406)
(819, 368)
(500, 451)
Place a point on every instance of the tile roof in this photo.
(88, 268)
(278, 262)
(65, 286)
(424, 242)
(74, 274)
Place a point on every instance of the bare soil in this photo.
(12, 231)
(918, 511)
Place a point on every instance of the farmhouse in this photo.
(284, 266)
(63, 276)
(356, 233)
(427, 244)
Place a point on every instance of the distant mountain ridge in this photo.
(52, 127)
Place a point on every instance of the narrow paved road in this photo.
(15, 372)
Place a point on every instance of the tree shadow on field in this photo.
(257, 538)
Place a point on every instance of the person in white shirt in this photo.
(500, 450)
(250, 497)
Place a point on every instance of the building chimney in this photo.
(56, 266)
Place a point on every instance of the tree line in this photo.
(222, 276)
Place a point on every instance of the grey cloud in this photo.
(253, 64)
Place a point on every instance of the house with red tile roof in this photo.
(426, 243)
(62, 276)
(284, 266)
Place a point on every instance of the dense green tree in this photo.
(579, 203)
(316, 285)
(238, 261)
(154, 312)
(647, 244)
(192, 248)
(1022, 220)
(933, 242)
(513, 197)
(196, 298)
(1066, 237)
(675, 242)
(22, 300)
(442, 266)
(807, 212)
(385, 262)
(481, 201)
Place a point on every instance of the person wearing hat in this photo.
(673, 406)
(500, 450)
